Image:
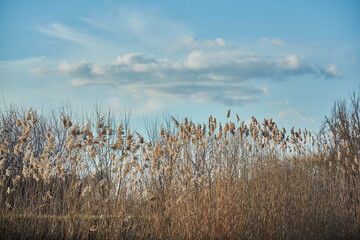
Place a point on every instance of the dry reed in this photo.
(197, 181)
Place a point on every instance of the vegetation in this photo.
(91, 180)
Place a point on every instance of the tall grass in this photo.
(213, 180)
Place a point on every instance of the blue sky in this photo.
(286, 60)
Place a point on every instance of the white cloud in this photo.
(189, 43)
(136, 24)
(134, 58)
(278, 103)
(275, 42)
(147, 107)
(64, 32)
(290, 62)
(22, 62)
(148, 22)
(195, 60)
(102, 34)
(332, 71)
(291, 114)
(224, 77)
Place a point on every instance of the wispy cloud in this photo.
(278, 103)
(147, 107)
(67, 33)
(225, 77)
(291, 114)
(189, 43)
(275, 42)
(145, 25)
(22, 62)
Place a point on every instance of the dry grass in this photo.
(197, 181)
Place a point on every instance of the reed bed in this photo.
(215, 180)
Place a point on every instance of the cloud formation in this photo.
(138, 24)
(67, 33)
(332, 71)
(275, 42)
(291, 113)
(223, 77)
(278, 103)
(189, 43)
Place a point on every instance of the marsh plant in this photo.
(67, 179)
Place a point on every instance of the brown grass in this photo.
(197, 181)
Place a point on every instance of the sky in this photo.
(286, 60)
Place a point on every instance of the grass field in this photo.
(93, 180)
